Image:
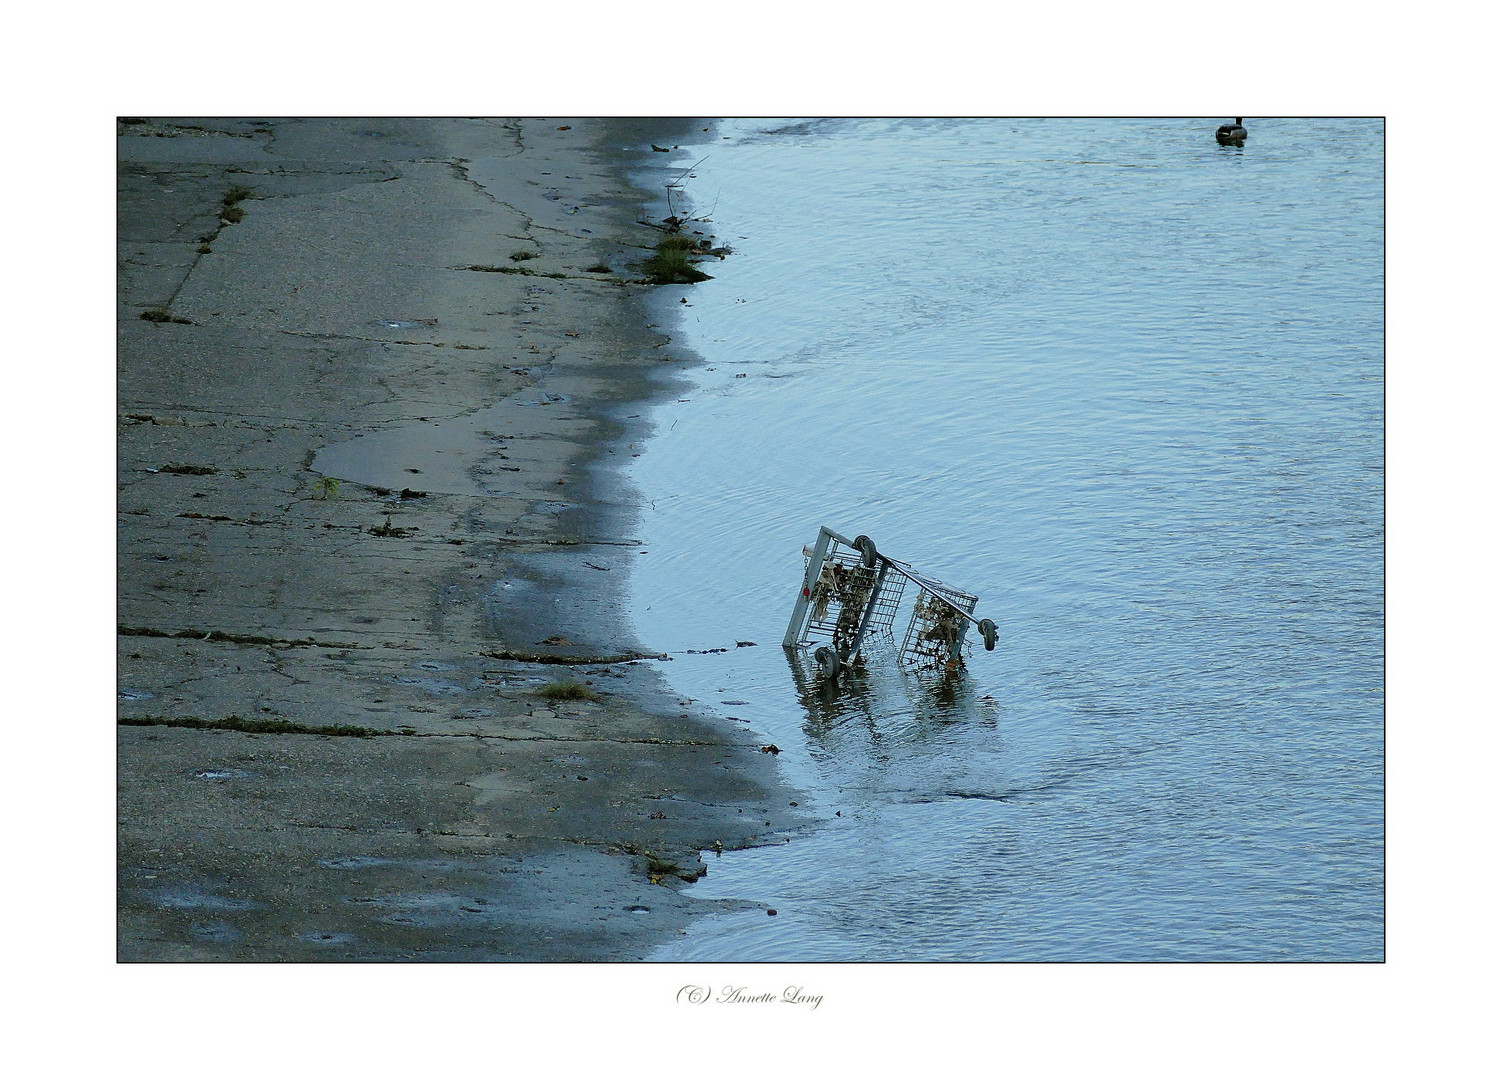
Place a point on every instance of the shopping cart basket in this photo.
(851, 591)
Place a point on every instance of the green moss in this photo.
(483, 269)
(656, 865)
(253, 726)
(225, 635)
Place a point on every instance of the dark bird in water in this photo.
(1231, 134)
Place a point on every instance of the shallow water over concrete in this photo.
(1127, 386)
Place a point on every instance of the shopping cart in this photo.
(851, 591)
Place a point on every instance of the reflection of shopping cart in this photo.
(850, 590)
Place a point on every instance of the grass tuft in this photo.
(387, 529)
(567, 690)
(671, 264)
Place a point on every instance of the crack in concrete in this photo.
(522, 271)
(456, 166)
(643, 741)
(515, 127)
(277, 726)
(555, 658)
(236, 639)
(230, 520)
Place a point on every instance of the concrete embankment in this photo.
(368, 514)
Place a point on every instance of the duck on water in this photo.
(1231, 134)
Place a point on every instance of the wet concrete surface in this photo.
(330, 331)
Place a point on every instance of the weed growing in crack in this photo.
(567, 690)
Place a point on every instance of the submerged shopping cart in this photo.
(851, 591)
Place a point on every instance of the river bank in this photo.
(373, 380)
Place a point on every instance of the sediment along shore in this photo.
(377, 380)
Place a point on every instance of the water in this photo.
(1127, 386)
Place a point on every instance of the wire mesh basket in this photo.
(937, 628)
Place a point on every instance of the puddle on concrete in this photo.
(219, 932)
(192, 897)
(511, 678)
(451, 454)
(407, 324)
(432, 686)
(354, 862)
(228, 774)
(433, 909)
(545, 399)
(130, 693)
(324, 937)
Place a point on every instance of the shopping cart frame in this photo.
(866, 588)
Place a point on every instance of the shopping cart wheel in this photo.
(828, 661)
(867, 549)
(988, 632)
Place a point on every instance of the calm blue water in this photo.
(1127, 386)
